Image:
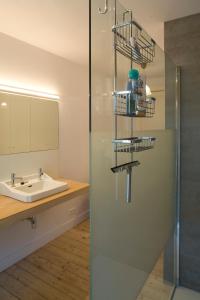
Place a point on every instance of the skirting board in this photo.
(37, 243)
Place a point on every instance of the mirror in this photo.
(28, 124)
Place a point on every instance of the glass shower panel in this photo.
(132, 244)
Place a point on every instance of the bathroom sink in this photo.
(33, 188)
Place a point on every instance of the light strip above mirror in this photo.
(27, 92)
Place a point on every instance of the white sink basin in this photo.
(32, 188)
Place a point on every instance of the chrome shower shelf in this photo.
(134, 144)
(132, 42)
(129, 104)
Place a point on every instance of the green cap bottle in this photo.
(133, 74)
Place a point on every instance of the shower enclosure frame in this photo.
(176, 242)
(178, 167)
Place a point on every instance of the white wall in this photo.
(28, 66)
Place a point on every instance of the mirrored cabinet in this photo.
(28, 124)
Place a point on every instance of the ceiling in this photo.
(58, 26)
(61, 26)
(152, 14)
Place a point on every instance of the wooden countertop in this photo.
(12, 210)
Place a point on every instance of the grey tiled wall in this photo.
(182, 44)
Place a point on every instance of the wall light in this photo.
(27, 92)
(4, 104)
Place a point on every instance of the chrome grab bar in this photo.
(105, 8)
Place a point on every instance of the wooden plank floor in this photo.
(60, 271)
(155, 287)
(57, 271)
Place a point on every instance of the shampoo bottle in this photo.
(132, 87)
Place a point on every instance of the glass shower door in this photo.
(133, 168)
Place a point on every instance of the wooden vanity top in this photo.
(12, 210)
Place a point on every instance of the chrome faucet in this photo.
(40, 173)
(14, 177)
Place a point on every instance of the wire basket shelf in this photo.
(134, 144)
(132, 42)
(129, 104)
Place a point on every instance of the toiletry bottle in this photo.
(135, 48)
(141, 103)
(132, 86)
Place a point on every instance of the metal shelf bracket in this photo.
(105, 10)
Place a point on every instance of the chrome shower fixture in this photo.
(105, 8)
